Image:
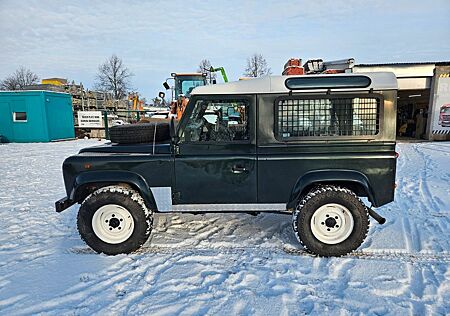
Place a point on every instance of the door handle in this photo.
(238, 169)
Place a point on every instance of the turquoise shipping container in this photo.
(35, 116)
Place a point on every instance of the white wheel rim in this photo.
(332, 223)
(112, 223)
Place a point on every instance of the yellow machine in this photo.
(138, 105)
(54, 81)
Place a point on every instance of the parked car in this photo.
(444, 115)
(309, 146)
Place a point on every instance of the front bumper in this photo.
(63, 204)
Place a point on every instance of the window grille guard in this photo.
(327, 116)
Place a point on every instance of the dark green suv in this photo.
(310, 146)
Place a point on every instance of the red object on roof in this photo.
(293, 67)
(293, 70)
(293, 62)
(334, 71)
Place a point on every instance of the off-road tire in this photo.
(140, 133)
(125, 197)
(318, 197)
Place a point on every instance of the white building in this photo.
(423, 97)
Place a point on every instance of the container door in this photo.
(22, 121)
(6, 121)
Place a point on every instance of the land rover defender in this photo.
(310, 146)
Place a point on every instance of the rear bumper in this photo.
(63, 204)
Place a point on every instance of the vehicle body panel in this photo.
(376, 162)
(93, 168)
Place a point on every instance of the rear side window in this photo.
(327, 116)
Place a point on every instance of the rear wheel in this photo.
(114, 220)
(331, 221)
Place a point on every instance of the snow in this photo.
(221, 264)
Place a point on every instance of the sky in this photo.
(70, 39)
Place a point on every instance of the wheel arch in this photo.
(351, 179)
(88, 182)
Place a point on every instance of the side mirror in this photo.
(166, 85)
(161, 95)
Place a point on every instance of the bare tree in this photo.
(21, 78)
(257, 66)
(113, 77)
(204, 67)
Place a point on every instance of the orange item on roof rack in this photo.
(293, 67)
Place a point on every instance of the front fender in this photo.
(335, 176)
(128, 177)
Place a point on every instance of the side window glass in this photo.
(218, 121)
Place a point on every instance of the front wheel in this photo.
(331, 221)
(114, 219)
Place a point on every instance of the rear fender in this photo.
(332, 176)
(111, 177)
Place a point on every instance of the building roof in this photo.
(438, 63)
(276, 84)
(31, 92)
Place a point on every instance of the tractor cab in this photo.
(184, 83)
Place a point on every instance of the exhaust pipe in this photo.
(380, 219)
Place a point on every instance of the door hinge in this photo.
(176, 149)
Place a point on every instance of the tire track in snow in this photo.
(415, 278)
(318, 265)
(125, 271)
(416, 193)
(389, 255)
(416, 200)
(424, 189)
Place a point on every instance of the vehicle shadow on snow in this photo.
(216, 231)
(221, 230)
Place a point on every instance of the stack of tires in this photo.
(153, 131)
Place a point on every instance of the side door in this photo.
(7, 118)
(215, 159)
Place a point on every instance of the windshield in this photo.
(185, 84)
(445, 109)
(188, 85)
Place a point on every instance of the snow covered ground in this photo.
(221, 264)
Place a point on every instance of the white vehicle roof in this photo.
(276, 84)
